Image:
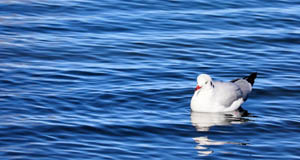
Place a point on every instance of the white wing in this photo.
(245, 87)
(226, 93)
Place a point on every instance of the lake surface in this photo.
(113, 79)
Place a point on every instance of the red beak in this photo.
(197, 87)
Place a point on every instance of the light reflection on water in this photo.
(113, 80)
(203, 123)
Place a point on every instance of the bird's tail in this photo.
(251, 78)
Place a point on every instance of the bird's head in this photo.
(203, 81)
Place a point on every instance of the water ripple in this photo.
(113, 80)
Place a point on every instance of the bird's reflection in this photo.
(204, 121)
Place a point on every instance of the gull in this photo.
(217, 96)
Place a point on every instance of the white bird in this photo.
(216, 96)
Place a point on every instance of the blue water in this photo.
(113, 79)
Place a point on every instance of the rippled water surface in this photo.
(113, 79)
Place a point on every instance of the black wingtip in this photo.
(251, 78)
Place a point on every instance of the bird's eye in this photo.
(206, 82)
